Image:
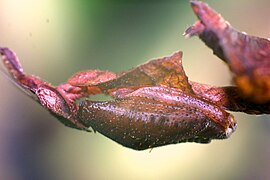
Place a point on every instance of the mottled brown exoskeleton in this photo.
(153, 104)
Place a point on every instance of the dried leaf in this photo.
(154, 104)
(229, 98)
(167, 71)
(247, 56)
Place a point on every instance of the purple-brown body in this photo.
(155, 104)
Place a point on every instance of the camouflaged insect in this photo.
(155, 104)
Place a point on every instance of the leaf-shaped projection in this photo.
(166, 71)
(247, 56)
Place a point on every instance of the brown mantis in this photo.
(155, 104)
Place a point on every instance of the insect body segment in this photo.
(174, 97)
(141, 123)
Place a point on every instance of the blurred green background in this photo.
(55, 39)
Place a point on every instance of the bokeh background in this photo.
(55, 39)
